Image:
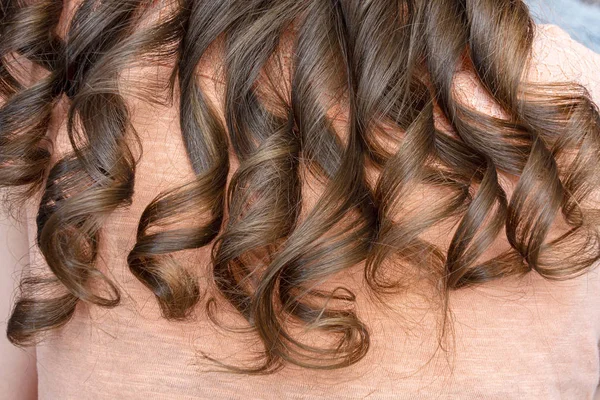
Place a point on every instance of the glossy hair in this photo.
(289, 67)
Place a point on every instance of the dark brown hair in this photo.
(287, 66)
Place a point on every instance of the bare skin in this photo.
(17, 366)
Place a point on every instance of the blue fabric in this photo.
(580, 20)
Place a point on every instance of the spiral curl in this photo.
(289, 69)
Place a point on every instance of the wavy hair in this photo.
(289, 69)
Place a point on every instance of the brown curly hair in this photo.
(289, 67)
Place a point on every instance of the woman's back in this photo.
(518, 336)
